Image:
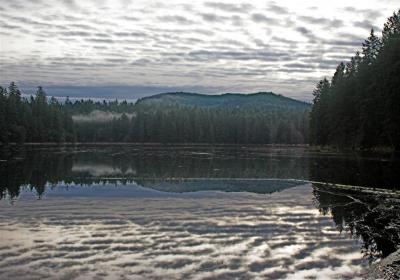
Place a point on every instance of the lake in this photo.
(195, 212)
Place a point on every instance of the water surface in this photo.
(193, 213)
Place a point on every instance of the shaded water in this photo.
(193, 213)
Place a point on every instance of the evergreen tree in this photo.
(391, 28)
(361, 107)
(371, 47)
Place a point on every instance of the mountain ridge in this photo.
(227, 100)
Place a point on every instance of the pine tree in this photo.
(318, 115)
(13, 90)
(371, 47)
(391, 29)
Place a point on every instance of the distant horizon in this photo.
(122, 92)
(31, 92)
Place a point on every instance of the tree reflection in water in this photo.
(373, 218)
(39, 168)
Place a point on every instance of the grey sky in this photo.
(87, 48)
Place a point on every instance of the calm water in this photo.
(129, 212)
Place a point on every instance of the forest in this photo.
(39, 119)
(359, 107)
(34, 119)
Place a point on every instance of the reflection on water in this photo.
(38, 167)
(375, 219)
(178, 236)
(192, 213)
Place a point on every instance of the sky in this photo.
(130, 49)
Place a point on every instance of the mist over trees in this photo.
(173, 123)
(359, 107)
(39, 119)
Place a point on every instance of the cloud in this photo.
(28, 21)
(204, 55)
(81, 26)
(367, 13)
(303, 30)
(11, 27)
(278, 9)
(129, 34)
(365, 24)
(210, 17)
(176, 19)
(307, 33)
(343, 43)
(261, 18)
(100, 40)
(76, 33)
(297, 65)
(283, 40)
(210, 46)
(330, 23)
(227, 7)
(69, 3)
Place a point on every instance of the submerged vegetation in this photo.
(360, 106)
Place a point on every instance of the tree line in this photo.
(33, 119)
(86, 106)
(40, 119)
(181, 124)
(359, 107)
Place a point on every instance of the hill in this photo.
(260, 100)
(258, 118)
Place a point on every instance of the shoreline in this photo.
(149, 144)
(387, 150)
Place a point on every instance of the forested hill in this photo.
(260, 100)
(261, 118)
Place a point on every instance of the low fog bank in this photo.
(100, 116)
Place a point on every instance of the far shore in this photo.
(155, 144)
(147, 144)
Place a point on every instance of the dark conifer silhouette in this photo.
(360, 106)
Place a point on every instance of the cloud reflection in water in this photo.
(206, 235)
